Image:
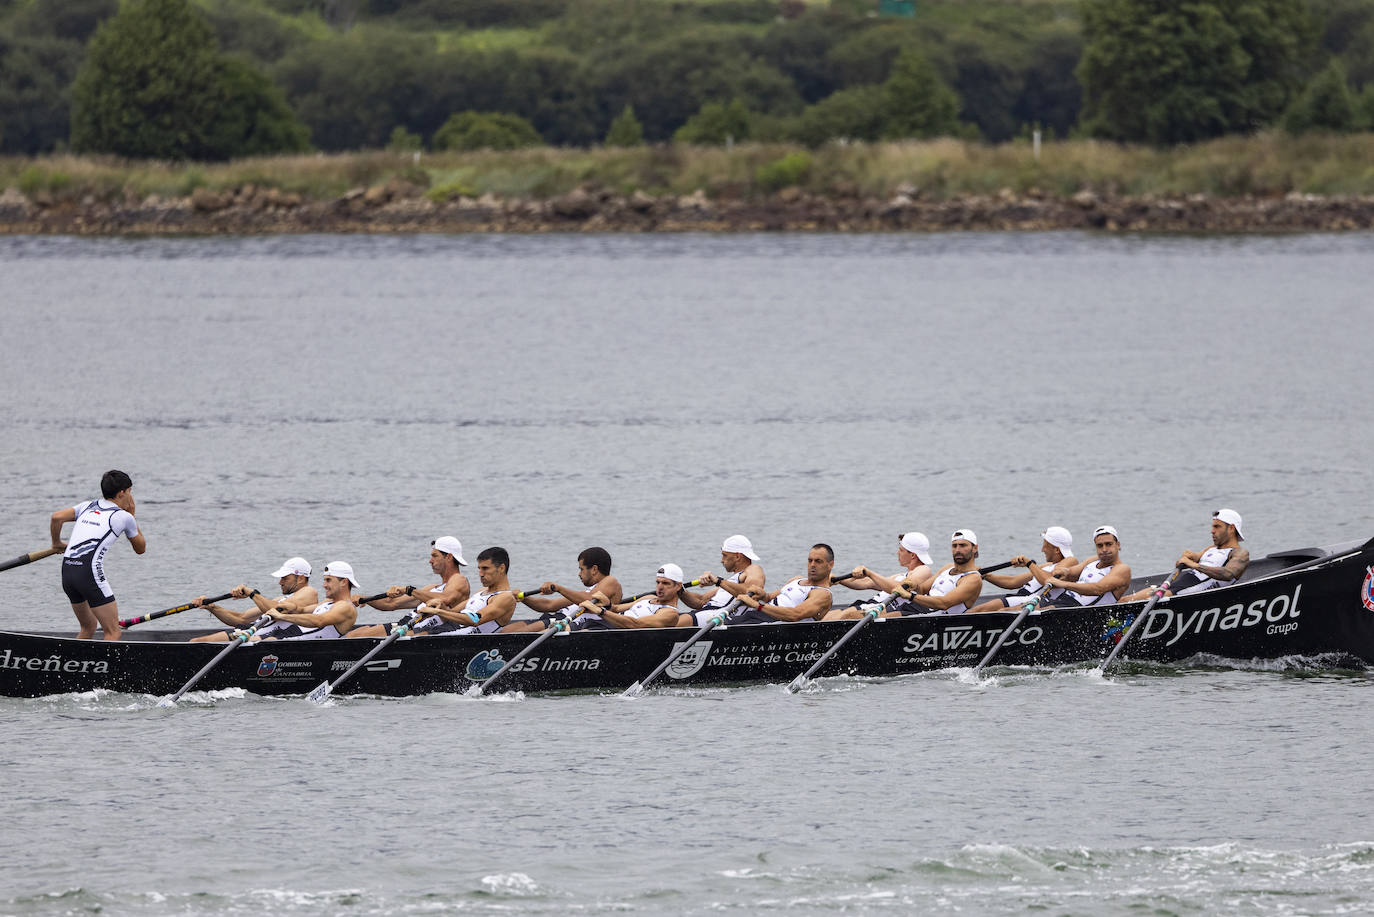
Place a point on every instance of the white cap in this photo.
(450, 545)
(965, 535)
(1230, 517)
(342, 571)
(671, 571)
(738, 544)
(1059, 536)
(296, 566)
(1105, 530)
(917, 544)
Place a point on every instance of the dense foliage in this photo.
(360, 74)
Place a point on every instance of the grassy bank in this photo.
(1266, 164)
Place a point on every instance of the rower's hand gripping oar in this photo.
(237, 639)
(557, 627)
(638, 687)
(153, 615)
(31, 557)
(402, 627)
(1030, 605)
(1144, 613)
(871, 613)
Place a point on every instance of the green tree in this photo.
(716, 123)
(251, 116)
(625, 129)
(916, 103)
(1167, 73)
(1326, 104)
(855, 113)
(480, 130)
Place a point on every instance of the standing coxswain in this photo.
(913, 553)
(98, 524)
(1056, 543)
(296, 595)
(956, 587)
(485, 612)
(556, 601)
(801, 598)
(333, 617)
(657, 610)
(452, 590)
(742, 564)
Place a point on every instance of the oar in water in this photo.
(638, 687)
(557, 627)
(326, 688)
(1144, 613)
(870, 614)
(235, 641)
(1031, 604)
(29, 558)
(152, 615)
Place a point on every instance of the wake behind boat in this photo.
(1311, 602)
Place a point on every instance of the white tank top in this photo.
(794, 593)
(270, 628)
(1191, 581)
(473, 605)
(1091, 574)
(1034, 586)
(944, 584)
(722, 599)
(319, 633)
(644, 608)
(99, 523)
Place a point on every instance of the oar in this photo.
(235, 641)
(995, 567)
(558, 626)
(645, 595)
(321, 694)
(638, 687)
(29, 558)
(1031, 604)
(870, 614)
(1144, 613)
(130, 622)
(369, 599)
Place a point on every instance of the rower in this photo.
(1056, 543)
(333, 617)
(98, 525)
(741, 563)
(913, 553)
(1095, 582)
(955, 588)
(452, 590)
(802, 597)
(1224, 562)
(485, 612)
(296, 595)
(657, 610)
(593, 570)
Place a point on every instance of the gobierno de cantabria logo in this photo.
(1367, 590)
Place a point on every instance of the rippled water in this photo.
(355, 397)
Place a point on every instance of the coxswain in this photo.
(296, 595)
(1224, 562)
(657, 610)
(1056, 543)
(913, 553)
(554, 601)
(802, 597)
(956, 587)
(1093, 582)
(334, 617)
(485, 612)
(98, 525)
(742, 566)
(452, 590)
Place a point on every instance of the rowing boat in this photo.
(1314, 603)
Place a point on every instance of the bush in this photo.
(917, 103)
(1326, 104)
(476, 130)
(715, 123)
(792, 169)
(855, 114)
(403, 141)
(625, 129)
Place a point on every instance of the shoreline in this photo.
(399, 207)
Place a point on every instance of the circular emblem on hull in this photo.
(1367, 590)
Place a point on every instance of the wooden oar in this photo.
(557, 627)
(130, 622)
(1144, 613)
(235, 641)
(869, 616)
(29, 558)
(1031, 604)
(326, 688)
(638, 687)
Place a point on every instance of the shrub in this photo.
(625, 129)
(715, 123)
(403, 141)
(476, 130)
(792, 169)
(1326, 104)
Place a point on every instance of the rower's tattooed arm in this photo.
(1231, 570)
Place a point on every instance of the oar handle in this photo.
(369, 599)
(30, 557)
(154, 615)
(995, 567)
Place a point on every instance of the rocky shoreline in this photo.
(398, 206)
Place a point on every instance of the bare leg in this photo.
(370, 630)
(108, 616)
(990, 605)
(218, 636)
(843, 614)
(85, 619)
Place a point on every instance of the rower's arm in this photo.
(609, 586)
(966, 592)
(874, 581)
(664, 617)
(301, 600)
(1235, 565)
(1115, 582)
(55, 524)
(546, 603)
(339, 613)
(696, 600)
(1008, 580)
(816, 603)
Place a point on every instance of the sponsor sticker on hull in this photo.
(1367, 590)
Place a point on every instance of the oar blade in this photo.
(167, 702)
(320, 694)
(797, 683)
(633, 690)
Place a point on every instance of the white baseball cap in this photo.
(296, 566)
(450, 545)
(672, 572)
(965, 535)
(1059, 536)
(342, 571)
(1230, 517)
(917, 544)
(738, 544)
(1105, 530)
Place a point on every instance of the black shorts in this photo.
(591, 624)
(284, 633)
(81, 585)
(751, 616)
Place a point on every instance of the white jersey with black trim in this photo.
(269, 629)
(1023, 595)
(1191, 581)
(99, 523)
(1091, 574)
(328, 631)
(794, 593)
(645, 608)
(473, 606)
(944, 584)
(723, 599)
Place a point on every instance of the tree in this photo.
(479, 130)
(1164, 72)
(1325, 105)
(251, 115)
(625, 129)
(715, 123)
(855, 114)
(916, 103)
